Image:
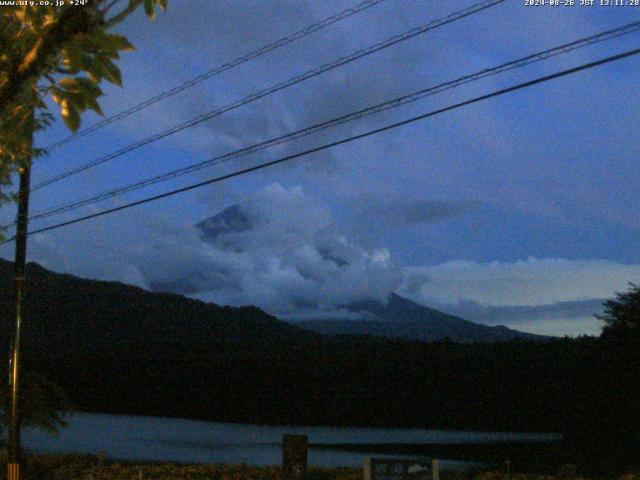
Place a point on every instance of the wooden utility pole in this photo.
(13, 457)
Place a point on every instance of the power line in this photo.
(376, 131)
(521, 62)
(277, 87)
(220, 69)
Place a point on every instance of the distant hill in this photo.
(116, 348)
(74, 310)
(402, 318)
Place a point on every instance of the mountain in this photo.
(397, 318)
(114, 348)
(230, 220)
(402, 318)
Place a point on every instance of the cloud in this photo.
(549, 179)
(282, 250)
(349, 88)
(559, 328)
(395, 213)
(278, 249)
(562, 318)
(289, 255)
(545, 296)
(496, 315)
(528, 282)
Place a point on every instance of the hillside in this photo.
(89, 312)
(115, 348)
(402, 318)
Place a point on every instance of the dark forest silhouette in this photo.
(120, 349)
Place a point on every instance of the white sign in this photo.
(400, 469)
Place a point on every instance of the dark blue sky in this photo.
(528, 200)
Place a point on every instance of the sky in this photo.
(520, 210)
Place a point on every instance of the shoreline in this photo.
(520, 454)
(151, 439)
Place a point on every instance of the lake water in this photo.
(138, 438)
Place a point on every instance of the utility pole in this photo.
(13, 460)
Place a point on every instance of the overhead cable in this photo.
(369, 133)
(218, 70)
(473, 9)
(397, 102)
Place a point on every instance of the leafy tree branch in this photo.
(64, 52)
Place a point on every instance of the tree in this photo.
(43, 402)
(603, 426)
(622, 316)
(64, 51)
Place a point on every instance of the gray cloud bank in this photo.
(546, 296)
(287, 254)
(562, 318)
(491, 314)
(282, 250)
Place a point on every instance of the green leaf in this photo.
(70, 83)
(95, 106)
(94, 76)
(149, 10)
(70, 115)
(89, 87)
(93, 68)
(90, 43)
(57, 94)
(72, 57)
(80, 91)
(77, 101)
(112, 73)
(120, 42)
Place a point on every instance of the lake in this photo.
(138, 438)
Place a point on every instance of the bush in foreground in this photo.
(87, 467)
